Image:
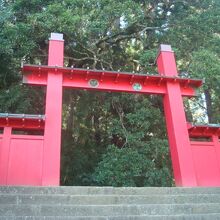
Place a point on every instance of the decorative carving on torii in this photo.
(187, 169)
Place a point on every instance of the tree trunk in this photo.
(208, 99)
(70, 124)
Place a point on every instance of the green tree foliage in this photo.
(206, 64)
(110, 139)
(197, 38)
(144, 166)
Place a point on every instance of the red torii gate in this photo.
(35, 159)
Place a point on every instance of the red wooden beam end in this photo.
(109, 80)
(22, 121)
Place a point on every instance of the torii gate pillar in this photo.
(181, 155)
(53, 112)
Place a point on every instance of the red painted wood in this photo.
(4, 155)
(108, 80)
(201, 143)
(206, 154)
(25, 160)
(21, 159)
(206, 162)
(53, 112)
(203, 130)
(181, 153)
(216, 141)
(36, 124)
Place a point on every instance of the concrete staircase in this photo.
(107, 203)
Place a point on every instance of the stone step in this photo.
(108, 190)
(108, 210)
(108, 203)
(33, 199)
(131, 217)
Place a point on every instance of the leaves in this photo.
(147, 166)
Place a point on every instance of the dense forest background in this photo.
(110, 138)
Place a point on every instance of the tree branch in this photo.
(120, 112)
